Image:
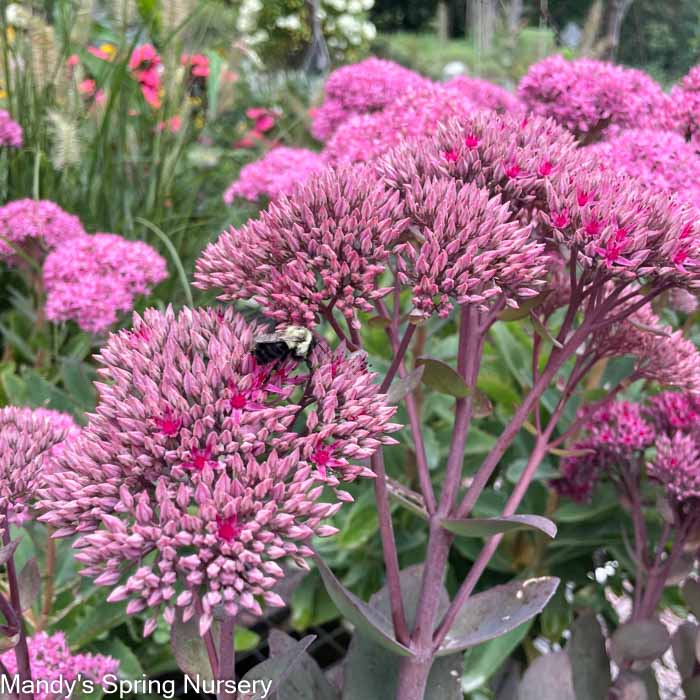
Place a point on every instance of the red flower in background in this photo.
(145, 65)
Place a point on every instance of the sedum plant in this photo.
(493, 219)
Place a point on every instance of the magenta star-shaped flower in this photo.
(323, 458)
(227, 528)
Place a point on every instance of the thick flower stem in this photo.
(413, 678)
(227, 659)
(391, 558)
(480, 564)
(48, 579)
(24, 666)
(413, 672)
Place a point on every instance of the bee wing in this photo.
(267, 338)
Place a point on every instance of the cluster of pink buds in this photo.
(29, 440)
(588, 96)
(53, 663)
(661, 160)
(32, 227)
(615, 441)
(361, 88)
(213, 462)
(414, 115)
(278, 172)
(485, 94)
(685, 106)
(92, 280)
(661, 354)
(10, 131)
(324, 246)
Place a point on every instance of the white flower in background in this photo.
(349, 25)
(290, 22)
(369, 31)
(344, 25)
(18, 16)
(248, 15)
(351, 28)
(258, 37)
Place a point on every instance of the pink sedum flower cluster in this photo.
(322, 248)
(615, 224)
(661, 354)
(485, 94)
(28, 440)
(615, 436)
(92, 280)
(276, 173)
(35, 226)
(685, 106)
(661, 160)
(361, 88)
(471, 250)
(677, 466)
(414, 115)
(517, 188)
(615, 443)
(588, 96)
(10, 131)
(508, 156)
(52, 660)
(214, 463)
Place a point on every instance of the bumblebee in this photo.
(295, 342)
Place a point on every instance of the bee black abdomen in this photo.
(271, 351)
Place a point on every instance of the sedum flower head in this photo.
(30, 223)
(616, 438)
(10, 131)
(276, 173)
(468, 249)
(485, 94)
(615, 434)
(677, 466)
(616, 225)
(92, 280)
(587, 96)
(506, 155)
(661, 354)
(52, 660)
(361, 88)
(324, 247)
(414, 115)
(661, 160)
(28, 438)
(670, 411)
(200, 469)
(685, 106)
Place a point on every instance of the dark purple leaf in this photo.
(486, 527)
(498, 610)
